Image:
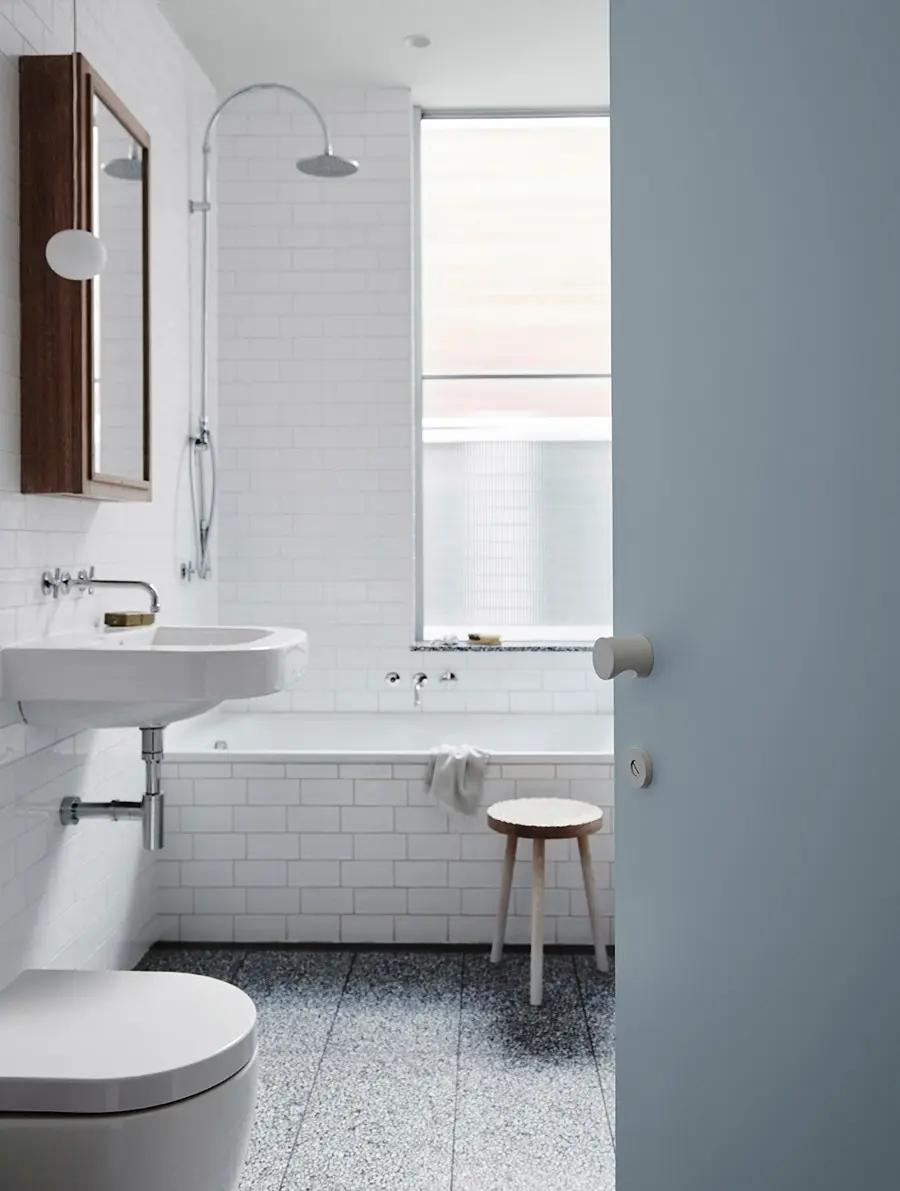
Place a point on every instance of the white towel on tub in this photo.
(456, 776)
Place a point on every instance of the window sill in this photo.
(503, 647)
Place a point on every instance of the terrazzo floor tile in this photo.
(598, 992)
(281, 1101)
(540, 1130)
(400, 1005)
(297, 994)
(221, 964)
(500, 1025)
(295, 978)
(381, 1114)
(530, 1111)
(377, 1124)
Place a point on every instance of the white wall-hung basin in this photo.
(146, 677)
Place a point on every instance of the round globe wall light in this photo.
(76, 254)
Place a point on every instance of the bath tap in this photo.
(419, 681)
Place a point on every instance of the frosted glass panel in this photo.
(517, 537)
(515, 245)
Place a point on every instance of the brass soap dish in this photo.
(127, 620)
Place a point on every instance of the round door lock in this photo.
(639, 768)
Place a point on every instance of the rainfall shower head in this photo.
(126, 169)
(327, 165)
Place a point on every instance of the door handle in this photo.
(622, 655)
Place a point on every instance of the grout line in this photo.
(462, 982)
(587, 1022)
(236, 964)
(315, 1078)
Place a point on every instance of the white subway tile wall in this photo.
(316, 416)
(329, 866)
(84, 897)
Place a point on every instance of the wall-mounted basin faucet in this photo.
(87, 582)
(419, 681)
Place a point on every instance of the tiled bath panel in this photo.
(419, 1071)
(350, 853)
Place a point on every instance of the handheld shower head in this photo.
(327, 165)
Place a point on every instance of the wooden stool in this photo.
(540, 819)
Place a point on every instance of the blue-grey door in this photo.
(756, 471)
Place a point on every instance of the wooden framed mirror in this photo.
(85, 345)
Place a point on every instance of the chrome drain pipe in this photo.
(150, 808)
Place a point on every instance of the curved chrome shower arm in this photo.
(205, 206)
(207, 145)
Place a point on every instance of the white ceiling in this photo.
(484, 53)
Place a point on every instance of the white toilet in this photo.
(124, 1081)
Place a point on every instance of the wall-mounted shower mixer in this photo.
(150, 808)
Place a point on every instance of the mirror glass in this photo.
(118, 382)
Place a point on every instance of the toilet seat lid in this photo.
(102, 1042)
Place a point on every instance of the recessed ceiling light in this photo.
(417, 41)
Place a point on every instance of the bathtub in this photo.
(319, 828)
(318, 736)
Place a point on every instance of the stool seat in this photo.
(545, 818)
(540, 819)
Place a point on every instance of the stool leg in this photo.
(590, 892)
(509, 860)
(537, 924)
